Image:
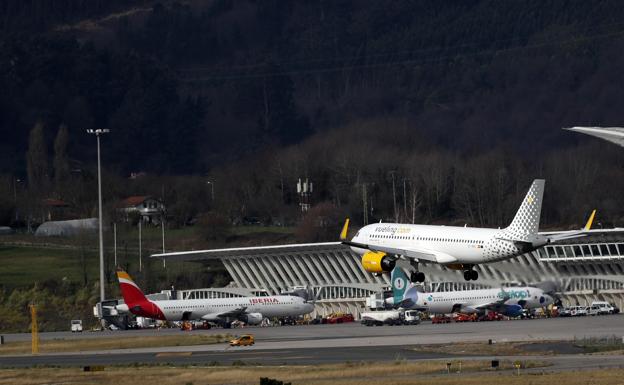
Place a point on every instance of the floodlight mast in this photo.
(97, 132)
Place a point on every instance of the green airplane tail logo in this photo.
(399, 284)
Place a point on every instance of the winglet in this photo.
(345, 229)
(590, 221)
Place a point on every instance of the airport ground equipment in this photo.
(76, 325)
(390, 317)
(603, 307)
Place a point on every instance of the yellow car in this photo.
(244, 340)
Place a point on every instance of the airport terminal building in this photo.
(582, 269)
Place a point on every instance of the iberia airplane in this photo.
(510, 302)
(460, 248)
(250, 310)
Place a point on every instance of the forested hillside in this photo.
(425, 111)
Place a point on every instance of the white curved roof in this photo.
(612, 134)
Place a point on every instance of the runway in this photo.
(318, 344)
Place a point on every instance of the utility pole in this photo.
(115, 241)
(97, 133)
(162, 218)
(140, 260)
(211, 191)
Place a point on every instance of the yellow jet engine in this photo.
(377, 262)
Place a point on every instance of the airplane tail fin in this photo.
(345, 230)
(526, 222)
(131, 293)
(404, 293)
(399, 284)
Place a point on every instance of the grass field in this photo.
(23, 266)
(90, 344)
(393, 373)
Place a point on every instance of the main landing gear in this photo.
(471, 275)
(416, 276)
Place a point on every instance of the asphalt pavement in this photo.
(319, 344)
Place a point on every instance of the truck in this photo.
(390, 317)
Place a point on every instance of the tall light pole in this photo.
(97, 133)
(211, 190)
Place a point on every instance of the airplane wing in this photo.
(543, 238)
(497, 306)
(416, 253)
(553, 237)
(235, 313)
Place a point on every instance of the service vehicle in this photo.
(491, 316)
(381, 317)
(461, 317)
(390, 317)
(578, 311)
(604, 307)
(441, 319)
(76, 325)
(565, 312)
(594, 310)
(411, 317)
(244, 340)
(339, 318)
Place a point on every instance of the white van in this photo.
(76, 325)
(604, 307)
(578, 311)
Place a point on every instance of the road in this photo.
(318, 344)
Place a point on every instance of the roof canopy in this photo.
(612, 134)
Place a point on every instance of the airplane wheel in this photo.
(467, 275)
(474, 275)
(417, 276)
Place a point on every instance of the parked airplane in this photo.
(509, 302)
(250, 310)
(459, 248)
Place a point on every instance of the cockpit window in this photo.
(356, 234)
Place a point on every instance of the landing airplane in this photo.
(509, 302)
(459, 248)
(250, 310)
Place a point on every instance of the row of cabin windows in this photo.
(427, 239)
(203, 306)
(461, 299)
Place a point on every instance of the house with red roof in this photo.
(149, 209)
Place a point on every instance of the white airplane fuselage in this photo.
(272, 306)
(210, 309)
(466, 245)
(469, 300)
